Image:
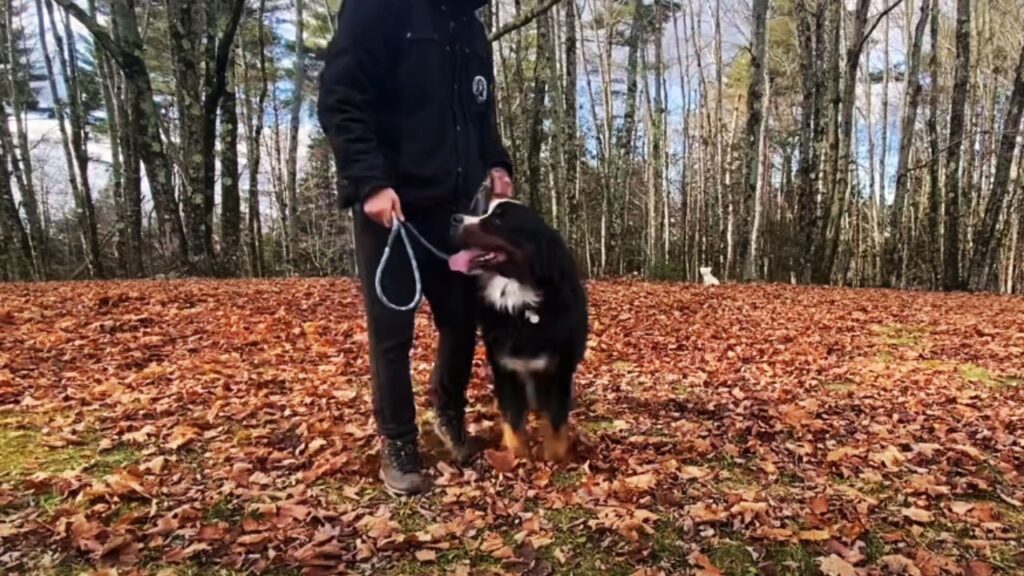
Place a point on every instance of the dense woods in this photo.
(862, 143)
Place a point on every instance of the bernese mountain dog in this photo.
(533, 318)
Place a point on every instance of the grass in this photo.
(899, 336)
(978, 375)
(598, 426)
(733, 559)
(566, 479)
(792, 560)
(224, 510)
(23, 453)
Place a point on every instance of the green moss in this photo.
(598, 426)
(733, 559)
(224, 510)
(792, 560)
(566, 479)
(978, 375)
(899, 336)
(874, 547)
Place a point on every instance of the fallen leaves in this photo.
(204, 423)
(835, 566)
(918, 515)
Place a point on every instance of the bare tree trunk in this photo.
(755, 118)
(896, 250)
(951, 277)
(78, 163)
(570, 138)
(12, 231)
(829, 139)
(185, 44)
(127, 52)
(230, 215)
(935, 192)
(987, 238)
(298, 85)
(883, 175)
(254, 149)
(809, 28)
(536, 136)
(21, 162)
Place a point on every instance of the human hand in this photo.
(501, 183)
(382, 206)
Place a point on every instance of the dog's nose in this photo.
(458, 219)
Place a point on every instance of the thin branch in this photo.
(524, 19)
(875, 23)
(224, 47)
(98, 31)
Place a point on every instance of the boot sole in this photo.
(395, 491)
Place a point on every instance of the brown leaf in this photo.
(504, 461)
(819, 505)
(426, 555)
(835, 566)
(182, 436)
(977, 568)
(918, 515)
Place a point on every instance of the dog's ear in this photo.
(544, 265)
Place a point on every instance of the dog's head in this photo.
(510, 240)
(705, 271)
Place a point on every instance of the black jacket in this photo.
(407, 101)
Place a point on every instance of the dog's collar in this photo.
(531, 316)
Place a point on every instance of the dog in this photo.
(534, 318)
(707, 277)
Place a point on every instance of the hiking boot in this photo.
(451, 429)
(400, 467)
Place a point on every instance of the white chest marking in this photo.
(507, 295)
(525, 368)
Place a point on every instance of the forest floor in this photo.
(224, 427)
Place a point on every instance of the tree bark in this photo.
(230, 216)
(12, 231)
(951, 277)
(934, 165)
(298, 84)
(128, 53)
(755, 118)
(75, 141)
(896, 255)
(21, 162)
(536, 136)
(987, 241)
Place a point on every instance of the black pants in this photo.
(453, 301)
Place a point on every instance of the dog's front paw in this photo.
(514, 442)
(556, 442)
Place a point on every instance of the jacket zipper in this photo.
(456, 108)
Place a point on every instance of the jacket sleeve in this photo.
(351, 80)
(495, 154)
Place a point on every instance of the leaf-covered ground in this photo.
(207, 427)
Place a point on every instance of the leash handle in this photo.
(398, 228)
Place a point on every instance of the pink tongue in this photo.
(463, 261)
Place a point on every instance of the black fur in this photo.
(536, 256)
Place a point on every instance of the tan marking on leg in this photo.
(514, 441)
(556, 442)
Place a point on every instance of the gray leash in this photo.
(398, 228)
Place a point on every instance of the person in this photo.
(407, 103)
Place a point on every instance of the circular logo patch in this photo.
(480, 89)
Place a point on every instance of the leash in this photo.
(399, 228)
